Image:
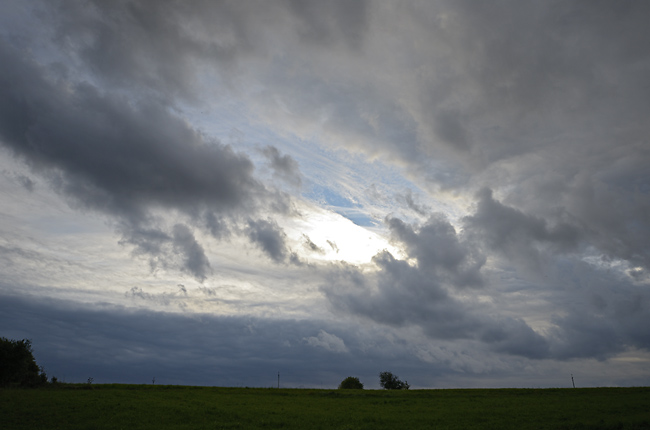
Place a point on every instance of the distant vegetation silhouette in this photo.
(18, 366)
(389, 381)
(351, 383)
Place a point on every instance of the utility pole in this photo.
(278, 379)
(572, 381)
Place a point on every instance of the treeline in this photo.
(387, 380)
(18, 367)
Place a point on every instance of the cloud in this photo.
(517, 235)
(284, 167)
(333, 246)
(327, 341)
(422, 210)
(195, 261)
(23, 180)
(401, 295)
(439, 249)
(311, 246)
(524, 123)
(270, 237)
(127, 160)
(116, 344)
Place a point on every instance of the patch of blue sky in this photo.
(358, 217)
(357, 187)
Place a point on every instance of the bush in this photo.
(351, 383)
(17, 364)
(389, 381)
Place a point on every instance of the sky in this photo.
(215, 192)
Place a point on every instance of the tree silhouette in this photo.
(389, 381)
(351, 383)
(17, 364)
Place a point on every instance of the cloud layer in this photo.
(448, 184)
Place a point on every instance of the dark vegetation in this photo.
(351, 383)
(103, 406)
(388, 381)
(18, 366)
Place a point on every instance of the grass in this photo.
(112, 406)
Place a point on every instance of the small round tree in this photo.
(351, 383)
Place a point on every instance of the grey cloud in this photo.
(544, 103)
(113, 344)
(23, 180)
(522, 81)
(333, 245)
(130, 43)
(323, 23)
(284, 167)
(403, 295)
(613, 208)
(410, 202)
(597, 312)
(111, 155)
(307, 243)
(517, 235)
(125, 159)
(514, 336)
(449, 127)
(166, 298)
(270, 237)
(146, 241)
(438, 249)
(178, 248)
(182, 289)
(195, 262)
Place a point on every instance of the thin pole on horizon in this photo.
(278, 379)
(572, 381)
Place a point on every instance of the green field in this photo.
(80, 406)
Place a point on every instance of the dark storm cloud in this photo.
(123, 158)
(74, 341)
(269, 237)
(110, 154)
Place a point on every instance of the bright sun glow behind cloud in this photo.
(337, 238)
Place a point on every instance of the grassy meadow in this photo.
(114, 406)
